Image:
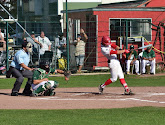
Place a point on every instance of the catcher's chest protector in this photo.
(43, 73)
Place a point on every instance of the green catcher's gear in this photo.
(46, 89)
(49, 92)
(67, 73)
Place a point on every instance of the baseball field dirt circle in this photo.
(86, 98)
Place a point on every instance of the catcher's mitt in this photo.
(67, 74)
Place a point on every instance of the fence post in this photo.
(67, 38)
(7, 51)
(126, 34)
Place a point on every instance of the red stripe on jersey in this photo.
(113, 52)
(113, 46)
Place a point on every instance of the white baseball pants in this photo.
(35, 86)
(136, 63)
(152, 63)
(116, 70)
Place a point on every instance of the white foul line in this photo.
(70, 99)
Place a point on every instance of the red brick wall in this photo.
(103, 27)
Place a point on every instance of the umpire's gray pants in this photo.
(19, 75)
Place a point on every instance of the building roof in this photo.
(118, 9)
(80, 5)
(138, 5)
(126, 4)
(156, 3)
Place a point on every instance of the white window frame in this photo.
(130, 24)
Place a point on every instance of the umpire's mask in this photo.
(29, 47)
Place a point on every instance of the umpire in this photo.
(19, 69)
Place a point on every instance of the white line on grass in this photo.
(71, 99)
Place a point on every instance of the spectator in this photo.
(2, 42)
(19, 69)
(36, 46)
(80, 49)
(63, 46)
(2, 49)
(148, 58)
(46, 44)
(57, 45)
(131, 59)
(34, 41)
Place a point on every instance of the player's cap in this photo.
(32, 33)
(24, 44)
(131, 47)
(148, 48)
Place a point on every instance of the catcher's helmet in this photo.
(131, 47)
(44, 64)
(106, 40)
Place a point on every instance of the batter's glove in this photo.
(67, 74)
(126, 51)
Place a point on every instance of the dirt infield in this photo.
(86, 98)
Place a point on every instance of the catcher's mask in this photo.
(45, 65)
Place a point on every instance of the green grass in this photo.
(125, 116)
(94, 81)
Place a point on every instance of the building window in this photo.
(53, 8)
(76, 27)
(135, 27)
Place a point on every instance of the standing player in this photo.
(110, 51)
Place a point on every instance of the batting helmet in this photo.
(106, 40)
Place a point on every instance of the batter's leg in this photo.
(122, 80)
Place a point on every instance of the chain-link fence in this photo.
(123, 32)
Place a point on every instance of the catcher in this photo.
(41, 84)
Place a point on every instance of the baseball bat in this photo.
(143, 47)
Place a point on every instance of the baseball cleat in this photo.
(100, 89)
(137, 73)
(129, 93)
(34, 94)
(14, 94)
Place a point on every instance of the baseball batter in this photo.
(110, 51)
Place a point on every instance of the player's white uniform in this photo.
(114, 64)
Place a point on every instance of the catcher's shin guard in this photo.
(56, 84)
(38, 90)
(41, 89)
(49, 92)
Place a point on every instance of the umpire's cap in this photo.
(24, 44)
